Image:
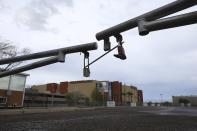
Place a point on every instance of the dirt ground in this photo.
(105, 119)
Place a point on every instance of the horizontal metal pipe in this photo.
(66, 50)
(163, 11)
(175, 21)
(34, 65)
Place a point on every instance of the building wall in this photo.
(135, 94)
(15, 97)
(33, 99)
(126, 97)
(140, 96)
(40, 88)
(58, 89)
(63, 87)
(85, 88)
(12, 88)
(125, 90)
(117, 92)
(53, 88)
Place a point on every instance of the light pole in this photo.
(161, 95)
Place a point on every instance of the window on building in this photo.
(4, 83)
(3, 100)
(17, 83)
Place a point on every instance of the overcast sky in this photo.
(163, 62)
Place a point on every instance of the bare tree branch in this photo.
(8, 50)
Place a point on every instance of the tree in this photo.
(74, 98)
(130, 94)
(149, 103)
(8, 50)
(123, 94)
(185, 101)
(166, 103)
(97, 96)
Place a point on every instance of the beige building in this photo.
(125, 90)
(84, 88)
(40, 88)
(129, 94)
(47, 88)
(134, 94)
(94, 90)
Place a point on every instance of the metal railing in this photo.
(148, 21)
(57, 55)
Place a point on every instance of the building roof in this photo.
(23, 74)
(81, 81)
(185, 96)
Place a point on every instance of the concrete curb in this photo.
(43, 110)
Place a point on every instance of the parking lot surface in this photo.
(105, 119)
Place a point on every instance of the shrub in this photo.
(185, 101)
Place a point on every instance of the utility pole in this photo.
(161, 95)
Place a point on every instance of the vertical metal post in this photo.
(24, 92)
(161, 98)
(8, 91)
(103, 97)
(52, 99)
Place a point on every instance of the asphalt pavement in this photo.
(104, 119)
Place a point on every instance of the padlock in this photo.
(121, 53)
(86, 69)
(86, 72)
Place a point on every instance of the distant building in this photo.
(191, 99)
(84, 88)
(91, 90)
(12, 90)
(117, 92)
(140, 96)
(129, 94)
(46, 94)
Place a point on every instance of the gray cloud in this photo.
(2, 6)
(35, 15)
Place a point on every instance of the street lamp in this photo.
(161, 95)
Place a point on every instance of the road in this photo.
(105, 119)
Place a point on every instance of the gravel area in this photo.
(103, 119)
